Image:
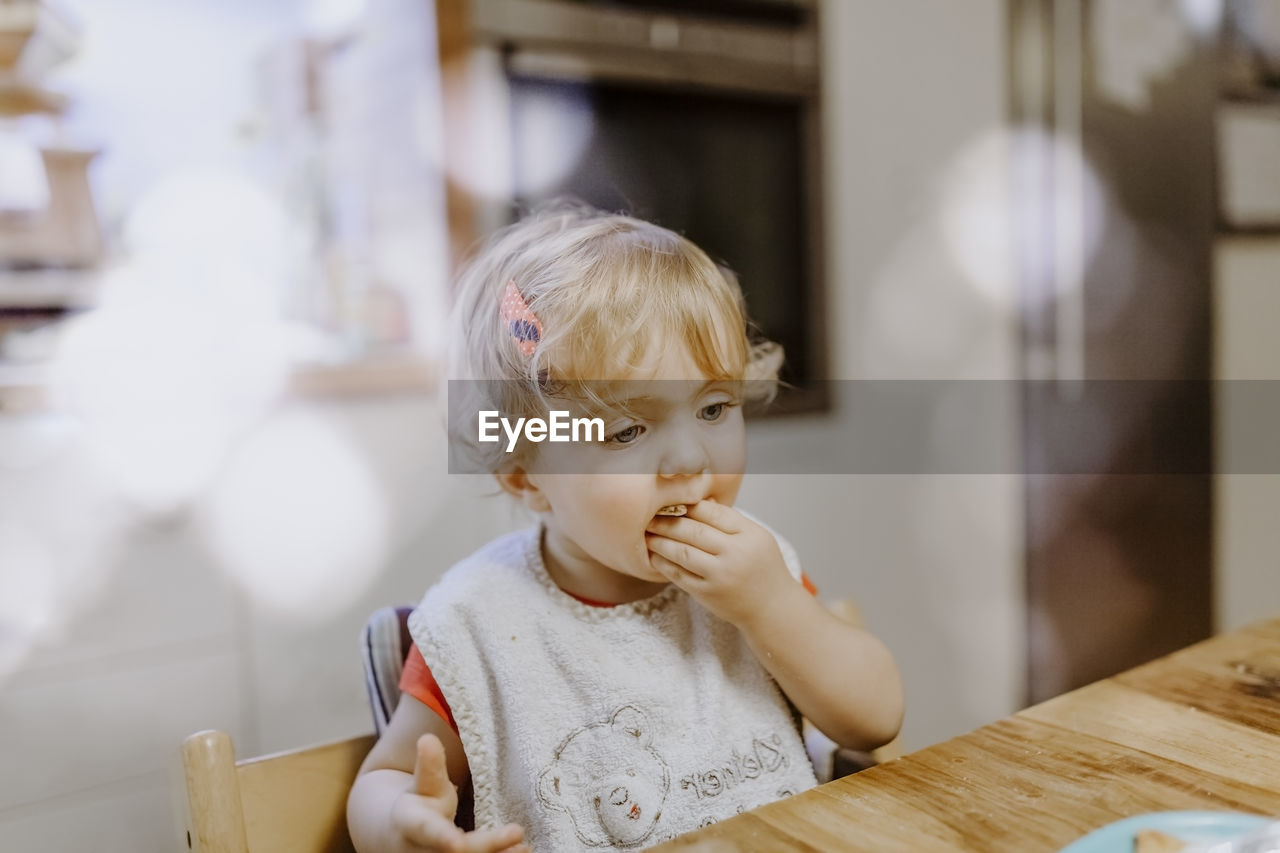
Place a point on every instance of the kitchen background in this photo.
(226, 236)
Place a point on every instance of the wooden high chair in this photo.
(292, 801)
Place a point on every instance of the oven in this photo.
(701, 116)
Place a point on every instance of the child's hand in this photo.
(423, 816)
(730, 564)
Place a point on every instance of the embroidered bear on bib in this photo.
(609, 779)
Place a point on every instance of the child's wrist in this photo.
(776, 605)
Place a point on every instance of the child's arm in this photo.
(406, 795)
(840, 677)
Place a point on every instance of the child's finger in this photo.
(431, 830)
(673, 572)
(684, 556)
(493, 840)
(724, 518)
(430, 774)
(702, 536)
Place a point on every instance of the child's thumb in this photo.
(430, 774)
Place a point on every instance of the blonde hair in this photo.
(605, 288)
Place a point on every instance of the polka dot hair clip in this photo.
(522, 323)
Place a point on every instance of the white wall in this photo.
(1246, 505)
(913, 90)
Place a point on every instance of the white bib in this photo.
(602, 727)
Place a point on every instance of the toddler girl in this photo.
(630, 668)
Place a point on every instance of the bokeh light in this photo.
(331, 19)
(213, 220)
(61, 529)
(554, 127)
(990, 228)
(473, 149)
(297, 519)
(162, 387)
(186, 349)
(1204, 16)
(24, 187)
(551, 126)
(28, 599)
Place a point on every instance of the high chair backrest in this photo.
(384, 645)
(292, 801)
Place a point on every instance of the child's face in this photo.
(687, 445)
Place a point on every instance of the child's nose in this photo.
(684, 456)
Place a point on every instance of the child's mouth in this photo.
(674, 510)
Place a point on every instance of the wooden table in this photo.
(1199, 729)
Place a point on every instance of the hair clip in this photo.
(522, 323)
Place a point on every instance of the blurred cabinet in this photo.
(1116, 288)
(50, 238)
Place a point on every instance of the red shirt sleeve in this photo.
(418, 682)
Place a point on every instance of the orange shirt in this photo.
(418, 682)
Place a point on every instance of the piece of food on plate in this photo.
(1155, 841)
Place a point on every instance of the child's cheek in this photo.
(621, 500)
(730, 459)
(726, 488)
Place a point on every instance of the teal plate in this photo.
(1189, 826)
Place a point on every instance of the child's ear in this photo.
(517, 483)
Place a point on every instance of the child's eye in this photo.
(626, 436)
(712, 412)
